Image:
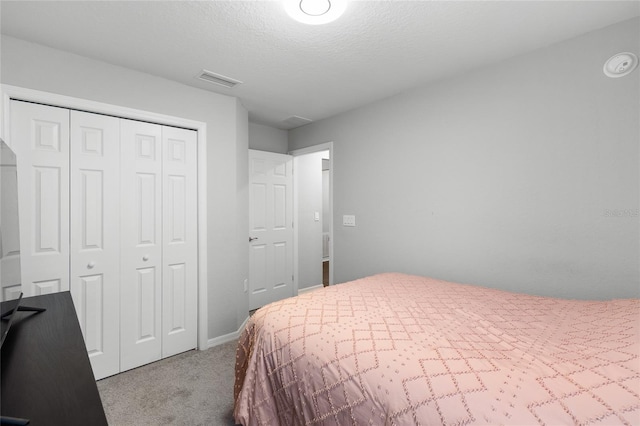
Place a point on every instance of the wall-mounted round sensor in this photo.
(620, 64)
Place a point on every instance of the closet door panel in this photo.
(95, 246)
(40, 137)
(180, 240)
(141, 243)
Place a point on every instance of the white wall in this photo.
(308, 182)
(506, 176)
(38, 67)
(266, 138)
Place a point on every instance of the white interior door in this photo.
(180, 241)
(40, 137)
(141, 243)
(10, 279)
(270, 227)
(95, 239)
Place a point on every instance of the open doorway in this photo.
(313, 217)
(326, 213)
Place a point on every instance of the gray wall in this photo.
(37, 67)
(242, 216)
(266, 138)
(522, 175)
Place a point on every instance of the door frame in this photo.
(10, 92)
(326, 146)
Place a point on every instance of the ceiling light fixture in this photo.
(315, 12)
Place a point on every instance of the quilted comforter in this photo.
(395, 349)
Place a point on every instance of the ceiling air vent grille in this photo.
(296, 121)
(222, 80)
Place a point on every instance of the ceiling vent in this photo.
(222, 80)
(295, 121)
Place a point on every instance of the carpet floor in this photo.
(193, 388)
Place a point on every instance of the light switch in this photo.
(316, 216)
(348, 220)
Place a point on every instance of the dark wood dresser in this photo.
(46, 374)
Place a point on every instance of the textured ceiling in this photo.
(375, 50)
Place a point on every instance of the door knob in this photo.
(145, 257)
(252, 238)
(91, 264)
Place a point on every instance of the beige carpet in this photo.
(194, 388)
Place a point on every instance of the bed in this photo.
(397, 349)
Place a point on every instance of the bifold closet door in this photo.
(141, 243)
(159, 267)
(40, 137)
(95, 239)
(180, 241)
(108, 210)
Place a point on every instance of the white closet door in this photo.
(95, 248)
(40, 137)
(141, 243)
(180, 238)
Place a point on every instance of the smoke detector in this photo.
(620, 64)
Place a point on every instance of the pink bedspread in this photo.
(397, 349)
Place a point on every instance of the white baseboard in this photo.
(226, 337)
(236, 334)
(308, 289)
